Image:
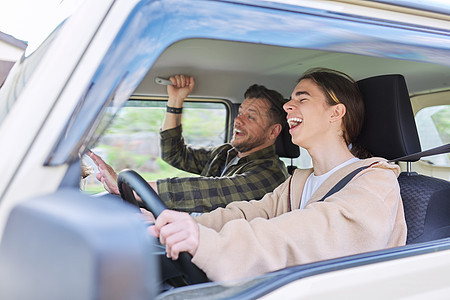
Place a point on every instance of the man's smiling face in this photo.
(251, 125)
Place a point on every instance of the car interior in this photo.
(224, 69)
(389, 131)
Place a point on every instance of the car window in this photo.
(433, 125)
(132, 139)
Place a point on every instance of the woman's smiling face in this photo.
(308, 114)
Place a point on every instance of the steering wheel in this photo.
(129, 181)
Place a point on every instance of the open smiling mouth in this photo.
(294, 122)
(238, 132)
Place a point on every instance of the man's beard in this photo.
(248, 145)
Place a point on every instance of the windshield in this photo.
(20, 74)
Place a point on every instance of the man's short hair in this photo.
(276, 112)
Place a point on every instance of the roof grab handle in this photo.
(162, 81)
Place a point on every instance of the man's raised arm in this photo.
(181, 87)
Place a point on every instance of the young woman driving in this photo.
(291, 225)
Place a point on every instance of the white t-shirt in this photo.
(313, 182)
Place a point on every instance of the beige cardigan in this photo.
(251, 238)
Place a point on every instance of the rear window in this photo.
(132, 139)
(433, 125)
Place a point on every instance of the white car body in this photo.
(48, 103)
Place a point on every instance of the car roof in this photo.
(219, 65)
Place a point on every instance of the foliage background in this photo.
(132, 139)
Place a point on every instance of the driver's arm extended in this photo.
(179, 232)
(366, 215)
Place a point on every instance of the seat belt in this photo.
(343, 182)
(414, 156)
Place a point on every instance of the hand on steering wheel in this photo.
(178, 231)
(129, 181)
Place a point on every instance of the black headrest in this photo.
(284, 145)
(389, 128)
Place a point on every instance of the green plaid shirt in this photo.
(222, 179)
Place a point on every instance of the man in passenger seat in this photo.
(246, 168)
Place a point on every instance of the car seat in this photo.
(390, 131)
